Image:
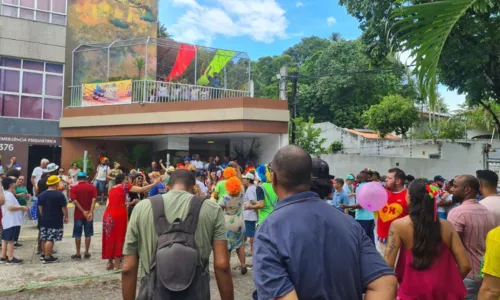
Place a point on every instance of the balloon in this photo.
(372, 196)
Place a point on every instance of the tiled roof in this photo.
(368, 134)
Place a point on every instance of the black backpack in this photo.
(176, 271)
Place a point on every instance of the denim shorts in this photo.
(250, 228)
(83, 225)
(11, 234)
(100, 185)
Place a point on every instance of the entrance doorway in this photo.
(38, 152)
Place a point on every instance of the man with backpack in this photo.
(172, 236)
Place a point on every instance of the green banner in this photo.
(222, 57)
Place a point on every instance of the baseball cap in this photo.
(199, 173)
(248, 176)
(350, 177)
(81, 175)
(187, 158)
(320, 169)
(439, 178)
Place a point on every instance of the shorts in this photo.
(83, 225)
(100, 185)
(442, 215)
(250, 228)
(51, 234)
(11, 234)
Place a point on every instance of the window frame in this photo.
(43, 95)
(35, 9)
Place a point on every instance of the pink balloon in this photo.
(372, 196)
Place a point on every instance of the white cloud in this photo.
(299, 4)
(330, 21)
(262, 20)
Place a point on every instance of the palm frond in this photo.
(423, 30)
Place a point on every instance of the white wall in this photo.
(343, 164)
(29, 39)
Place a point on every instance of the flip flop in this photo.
(76, 257)
(86, 256)
(109, 267)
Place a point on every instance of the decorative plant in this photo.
(140, 64)
(244, 153)
(90, 164)
(336, 146)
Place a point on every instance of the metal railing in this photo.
(147, 91)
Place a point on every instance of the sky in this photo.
(262, 27)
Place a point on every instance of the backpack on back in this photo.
(176, 271)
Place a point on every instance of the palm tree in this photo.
(162, 31)
(140, 64)
(424, 28)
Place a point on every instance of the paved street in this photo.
(33, 272)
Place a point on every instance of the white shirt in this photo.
(37, 172)
(198, 164)
(202, 187)
(350, 190)
(11, 218)
(492, 203)
(250, 194)
(102, 171)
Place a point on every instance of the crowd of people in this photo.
(435, 239)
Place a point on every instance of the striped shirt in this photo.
(472, 221)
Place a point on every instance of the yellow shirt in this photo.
(492, 255)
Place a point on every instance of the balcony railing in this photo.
(147, 91)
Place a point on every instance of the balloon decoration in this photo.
(372, 196)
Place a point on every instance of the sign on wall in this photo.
(107, 93)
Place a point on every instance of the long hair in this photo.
(323, 187)
(427, 237)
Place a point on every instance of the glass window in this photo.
(42, 16)
(54, 68)
(9, 11)
(59, 6)
(28, 3)
(43, 4)
(9, 105)
(58, 19)
(26, 14)
(32, 83)
(9, 80)
(33, 65)
(31, 107)
(53, 85)
(15, 2)
(10, 62)
(52, 109)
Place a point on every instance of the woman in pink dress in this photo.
(432, 259)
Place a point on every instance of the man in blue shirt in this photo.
(293, 247)
(340, 197)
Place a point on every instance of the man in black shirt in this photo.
(41, 187)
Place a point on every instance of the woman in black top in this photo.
(134, 198)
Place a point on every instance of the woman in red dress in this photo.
(114, 221)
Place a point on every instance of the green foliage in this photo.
(244, 153)
(451, 129)
(140, 64)
(309, 137)
(162, 31)
(336, 146)
(394, 113)
(481, 116)
(90, 164)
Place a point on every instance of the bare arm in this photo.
(223, 270)
(129, 276)
(15, 207)
(458, 250)
(290, 296)
(383, 288)
(490, 289)
(79, 207)
(142, 189)
(33, 180)
(2, 197)
(260, 204)
(393, 245)
(162, 165)
(65, 213)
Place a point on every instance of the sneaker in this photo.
(42, 257)
(244, 270)
(50, 260)
(17, 245)
(3, 260)
(15, 261)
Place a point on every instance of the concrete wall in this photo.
(33, 40)
(343, 164)
(14, 126)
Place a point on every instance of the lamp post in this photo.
(294, 78)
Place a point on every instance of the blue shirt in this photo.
(293, 250)
(361, 213)
(340, 198)
(157, 189)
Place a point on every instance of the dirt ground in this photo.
(108, 286)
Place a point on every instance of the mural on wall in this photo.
(105, 21)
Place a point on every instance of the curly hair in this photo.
(233, 186)
(229, 172)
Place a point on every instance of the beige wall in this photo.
(33, 40)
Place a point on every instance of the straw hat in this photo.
(171, 169)
(53, 180)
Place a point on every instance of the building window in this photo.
(48, 11)
(30, 89)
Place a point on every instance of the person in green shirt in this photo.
(266, 197)
(230, 171)
(21, 192)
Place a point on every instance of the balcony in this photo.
(146, 91)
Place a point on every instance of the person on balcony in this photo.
(215, 84)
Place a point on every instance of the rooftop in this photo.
(372, 135)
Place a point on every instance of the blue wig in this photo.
(263, 173)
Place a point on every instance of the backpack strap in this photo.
(160, 220)
(191, 221)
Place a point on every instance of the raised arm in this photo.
(393, 245)
(142, 189)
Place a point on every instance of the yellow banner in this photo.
(107, 93)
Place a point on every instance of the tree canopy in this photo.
(393, 114)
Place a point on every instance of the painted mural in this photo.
(105, 21)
